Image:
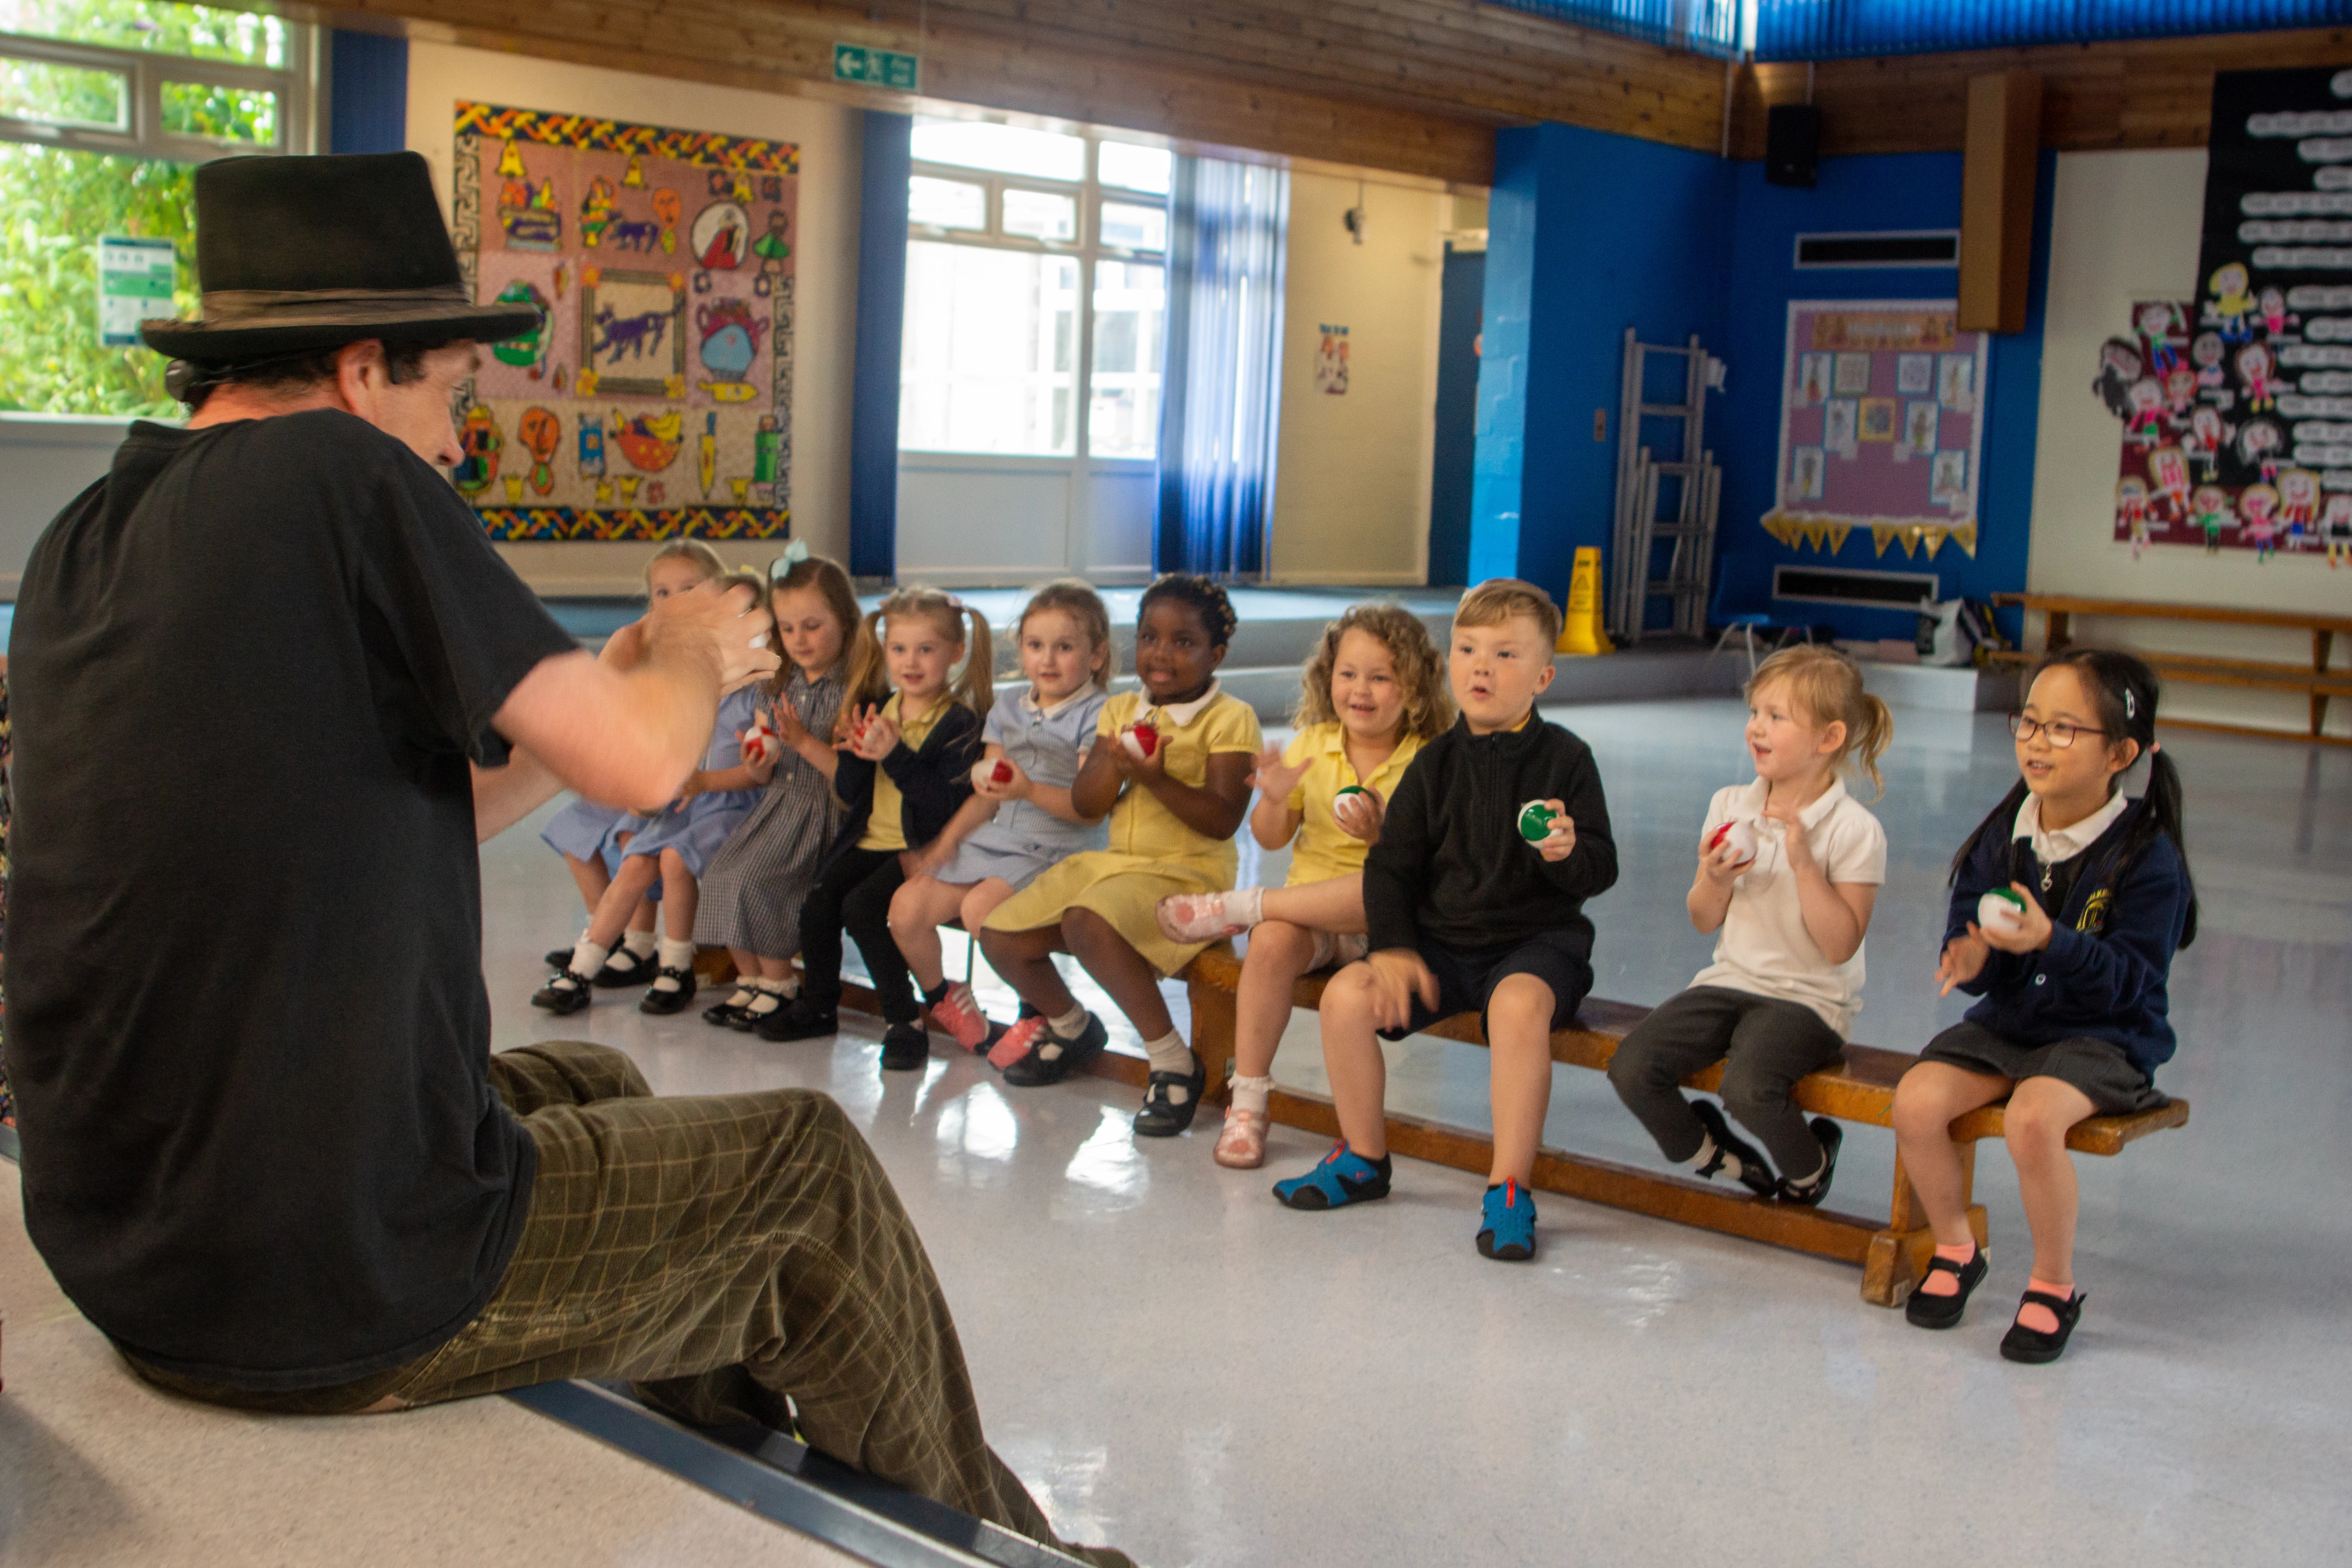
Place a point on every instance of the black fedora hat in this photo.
(302, 254)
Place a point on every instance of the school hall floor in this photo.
(1179, 1366)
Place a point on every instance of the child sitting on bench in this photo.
(1373, 694)
(1474, 897)
(2067, 905)
(1789, 867)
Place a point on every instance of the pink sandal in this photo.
(1242, 1145)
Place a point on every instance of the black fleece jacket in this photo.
(1450, 866)
(933, 782)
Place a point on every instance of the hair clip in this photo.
(2131, 704)
(953, 603)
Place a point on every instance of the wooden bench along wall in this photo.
(1892, 1253)
(2317, 681)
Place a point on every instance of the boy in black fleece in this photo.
(1466, 914)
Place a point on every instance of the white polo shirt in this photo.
(1763, 946)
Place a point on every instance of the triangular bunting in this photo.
(1882, 534)
(1935, 538)
(1838, 531)
(1965, 535)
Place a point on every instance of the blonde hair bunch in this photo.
(1825, 684)
(1420, 671)
(869, 683)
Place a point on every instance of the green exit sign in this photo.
(875, 68)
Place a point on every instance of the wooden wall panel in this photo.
(2142, 93)
(1414, 85)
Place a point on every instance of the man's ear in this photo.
(362, 370)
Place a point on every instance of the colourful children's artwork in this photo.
(1879, 425)
(1331, 362)
(655, 399)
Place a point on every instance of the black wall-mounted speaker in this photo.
(1792, 144)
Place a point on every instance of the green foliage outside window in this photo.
(56, 205)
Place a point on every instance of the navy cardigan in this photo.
(933, 782)
(2110, 952)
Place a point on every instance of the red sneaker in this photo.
(1017, 1043)
(959, 1013)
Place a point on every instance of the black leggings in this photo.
(855, 893)
(1766, 1046)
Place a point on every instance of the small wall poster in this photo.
(1331, 362)
(655, 398)
(134, 284)
(1879, 425)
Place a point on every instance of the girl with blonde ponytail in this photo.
(1789, 868)
(904, 775)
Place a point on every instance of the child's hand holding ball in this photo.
(1360, 812)
(2008, 918)
(1548, 827)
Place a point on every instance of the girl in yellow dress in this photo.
(1175, 794)
(1374, 690)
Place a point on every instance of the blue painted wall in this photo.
(1914, 190)
(1590, 233)
(367, 93)
(1587, 234)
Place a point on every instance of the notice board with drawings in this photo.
(654, 399)
(2237, 400)
(1881, 426)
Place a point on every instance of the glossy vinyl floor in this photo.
(1181, 1366)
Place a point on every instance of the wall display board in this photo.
(2237, 404)
(655, 400)
(1881, 426)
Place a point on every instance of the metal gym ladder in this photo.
(1690, 481)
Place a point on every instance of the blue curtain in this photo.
(1708, 26)
(1826, 29)
(1219, 410)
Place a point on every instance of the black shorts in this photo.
(1466, 977)
(2098, 1068)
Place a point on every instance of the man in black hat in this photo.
(272, 687)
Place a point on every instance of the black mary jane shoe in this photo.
(2033, 1347)
(561, 1000)
(559, 958)
(660, 1002)
(1038, 1069)
(1163, 1115)
(725, 1015)
(1833, 1139)
(623, 969)
(1942, 1312)
(1755, 1171)
(905, 1048)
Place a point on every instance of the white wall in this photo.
(2126, 229)
(1351, 496)
(48, 459)
(826, 329)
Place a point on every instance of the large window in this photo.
(106, 108)
(1036, 288)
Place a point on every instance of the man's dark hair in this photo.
(191, 384)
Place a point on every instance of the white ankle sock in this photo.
(741, 995)
(763, 1002)
(673, 953)
(1170, 1054)
(1250, 1093)
(1069, 1024)
(1731, 1169)
(1245, 906)
(587, 958)
(641, 942)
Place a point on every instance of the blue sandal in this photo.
(1507, 1227)
(1343, 1177)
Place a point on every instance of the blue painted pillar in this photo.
(881, 326)
(1501, 457)
(367, 93)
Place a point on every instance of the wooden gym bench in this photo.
(1893, 1254)
(2317, 680)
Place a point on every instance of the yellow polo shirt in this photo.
(886, 825)
(1323, 849)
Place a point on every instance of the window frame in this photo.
(145, 71)
(1086, 249)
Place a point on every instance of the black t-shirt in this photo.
(247, 1029)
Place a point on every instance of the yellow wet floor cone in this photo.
(1583, 632)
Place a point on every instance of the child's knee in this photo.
(1747, 1091)
(1280, 943)
(1521, 1004)
(673, 864)
(1347, 999)
(1919, 1111)
(2035, 1124)
(974, 910)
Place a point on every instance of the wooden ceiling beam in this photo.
(2143, 92)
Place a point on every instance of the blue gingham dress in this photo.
(1024, 838)
(697, 829)
(751, 891)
